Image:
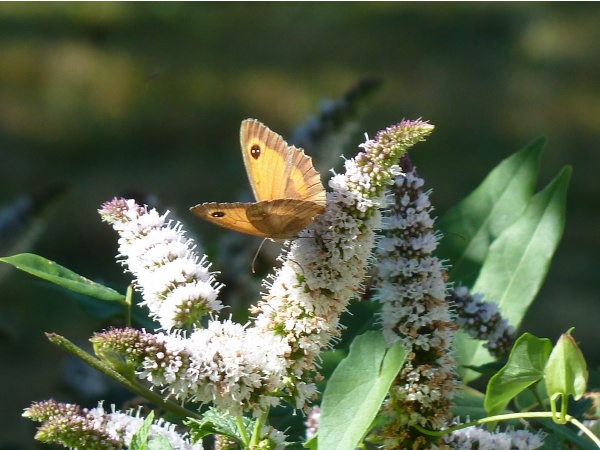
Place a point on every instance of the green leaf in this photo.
(532, 398)
(472, 225)
(215, 422)
(518, 262)
(520, 258)
(311, 444)
(159, 442)
(116, 360)
(55, 273)
(139, 440)
(525, 366)
(329, 361)
(566, 371)
(356, 390)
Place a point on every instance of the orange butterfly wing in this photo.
(275, 169)
(275, 219)
(227, 215)
(287, 188)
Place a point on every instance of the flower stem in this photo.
(242, 429)
(256, 432)
(97, 364)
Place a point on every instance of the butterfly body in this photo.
(287, 188)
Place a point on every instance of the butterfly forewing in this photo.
(266, 157)
(304, 182)
(275, 169)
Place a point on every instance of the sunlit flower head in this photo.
(325, 267)
(227, 365)
(96, 428)
(176, 285)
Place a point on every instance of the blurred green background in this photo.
(115, 97)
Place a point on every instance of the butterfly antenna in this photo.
(257, 252)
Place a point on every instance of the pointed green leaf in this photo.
(525, 366)
(311, 444)
(472, 225)
(356, 390)
(216, 422)
(139, 441)
(520, 258)
(566, 371)
(55, 273)
(518, 262)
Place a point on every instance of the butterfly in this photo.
(288, 189)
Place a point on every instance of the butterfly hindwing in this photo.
(276, 219)
(228, 215)
(282, 218)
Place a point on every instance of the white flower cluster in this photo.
(326, 265)
(82, 429)
(225, 364)
(272, 439)
(411, 288)
(408, 273)
(239, 368)
(476, 437)
(177, 287)
(121, 426)
(229, 365)
(324, 269)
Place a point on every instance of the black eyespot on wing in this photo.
(255, 151)
(218, 214)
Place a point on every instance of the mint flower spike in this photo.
(79, 428)
(412, 291)
(176, 284)
(230, 366)
(478, 437)
(324, 268)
